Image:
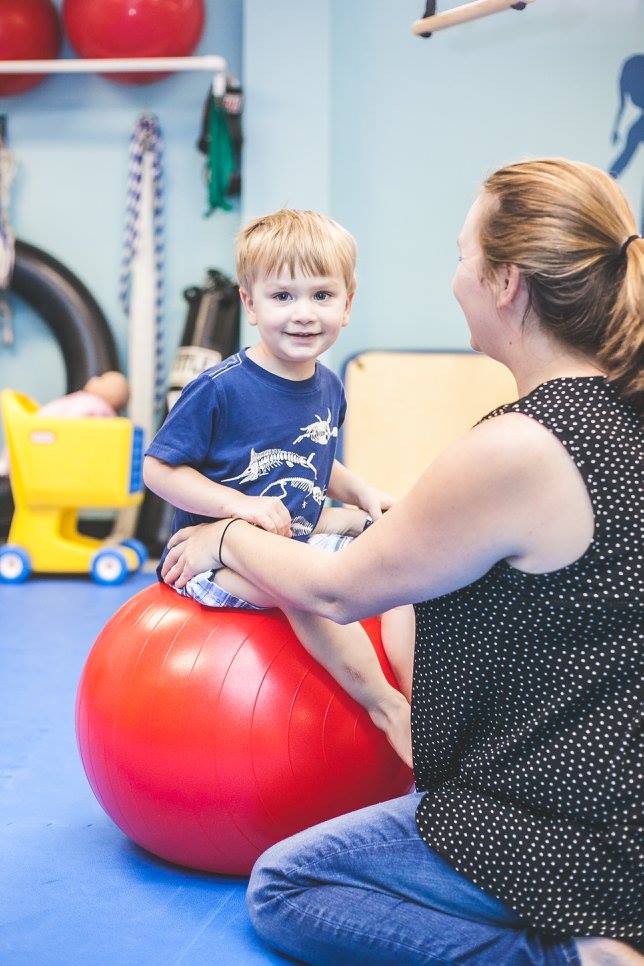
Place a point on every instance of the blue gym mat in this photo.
(73, 889)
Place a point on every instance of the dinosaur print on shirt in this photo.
(300, 527)
(262, 463)
(319, 431)
(298, 483)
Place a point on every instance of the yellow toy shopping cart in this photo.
(58, 466)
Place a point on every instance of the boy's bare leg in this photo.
(242, 588)
(346, 653)
(398, 632)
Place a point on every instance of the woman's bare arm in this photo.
(496, 493)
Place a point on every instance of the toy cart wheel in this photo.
(109, 567)
(15, 565)
(139, 549)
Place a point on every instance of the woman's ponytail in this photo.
(622, 353)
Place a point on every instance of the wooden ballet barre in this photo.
(470, 11)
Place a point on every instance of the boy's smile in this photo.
(297, 318)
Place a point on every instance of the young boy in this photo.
(255, 437)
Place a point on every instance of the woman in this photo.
(520, 544)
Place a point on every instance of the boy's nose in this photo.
(304, 313)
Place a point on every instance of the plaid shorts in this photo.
(205, 590)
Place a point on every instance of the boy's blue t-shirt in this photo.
(259, 433)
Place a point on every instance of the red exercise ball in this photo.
(209, 735)
(29, 30)
(134, 28)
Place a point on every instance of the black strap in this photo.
(430, 10)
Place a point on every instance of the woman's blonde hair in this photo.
(564, 224)
(294, 240)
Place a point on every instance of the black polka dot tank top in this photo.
(526, 700)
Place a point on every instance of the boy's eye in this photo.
(282, 296)
(322, 296)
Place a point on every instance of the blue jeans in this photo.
(365, 888)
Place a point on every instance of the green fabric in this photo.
(220, 162)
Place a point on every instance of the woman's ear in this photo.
(510, 286)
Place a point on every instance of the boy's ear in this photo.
(347, 309)
(249, 306)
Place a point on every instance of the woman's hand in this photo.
(192, 551)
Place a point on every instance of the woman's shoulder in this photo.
(511, 438)
(516, 485)
(501, 466)
(511, 461)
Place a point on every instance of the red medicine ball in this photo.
(209, 735)
(29, 30)
(134, 28)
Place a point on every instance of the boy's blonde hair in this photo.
(304, 241)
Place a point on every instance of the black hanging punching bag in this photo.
(210, 334)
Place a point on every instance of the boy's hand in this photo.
(346, 520)
(267, 512)
(374, 501)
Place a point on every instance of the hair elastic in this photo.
(223, 534)
(630, 238)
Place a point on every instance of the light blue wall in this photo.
(418, 123)
(287, 125)
(287, 80)
(71, 138)
(413, 126)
